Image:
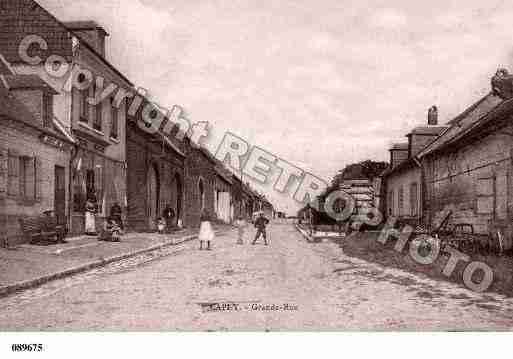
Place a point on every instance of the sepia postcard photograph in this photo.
(245, 166)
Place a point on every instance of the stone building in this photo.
(223, 198)
(468, 169)
(155, 164)
(200, 180)
(35, 152)
(402, 182)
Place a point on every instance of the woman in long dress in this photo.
(206, 233)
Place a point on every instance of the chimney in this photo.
(421, 136)
(433, 116)
(398, 154)
(90, 32)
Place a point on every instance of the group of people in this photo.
(113, 226)
(207, 235)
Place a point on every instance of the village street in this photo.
(314, 286)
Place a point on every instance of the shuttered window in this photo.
(485, 192)
(24, 176)
(13, 182)
(27, 178)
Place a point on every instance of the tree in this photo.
(367, 169)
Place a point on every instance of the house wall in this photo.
(117, 148)
(99, 152)
(417, 142)
(109, 161)
(17, 140)
(222, 199)
(475, 182)
(144, 156)
(402, 181)
(198, 166)
(62, 100)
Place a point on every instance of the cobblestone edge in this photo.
(31, 283)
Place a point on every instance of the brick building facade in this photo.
(103, 156)
(97, 168)
(200, 180)
(156, 181)
(34, 157)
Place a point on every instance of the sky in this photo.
(319, 83)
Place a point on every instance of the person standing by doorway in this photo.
(261, 224)
(90, 212)
(206, 233)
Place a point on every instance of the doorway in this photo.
(153, 196)
(179, 196)
(201, 189)
(60, 195)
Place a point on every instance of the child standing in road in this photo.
(206, 233)
(241, 224)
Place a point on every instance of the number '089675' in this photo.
(27, 347)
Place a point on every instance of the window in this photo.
(97, 124)
(47, 110)
(84, 106)
(414, 202)
(13, 173)
(23, 176)
(485, 190)
(114, 120)
(27, 177)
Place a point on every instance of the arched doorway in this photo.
(153, 196)
(179, 196)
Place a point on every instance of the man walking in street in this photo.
(260, 224)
